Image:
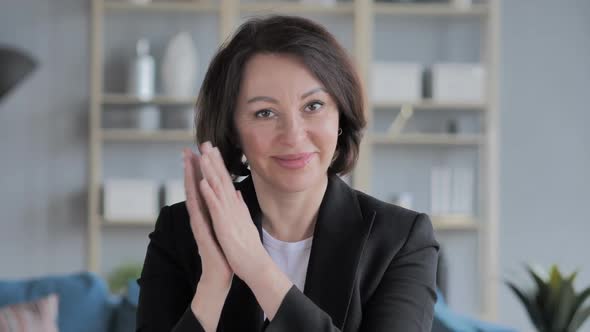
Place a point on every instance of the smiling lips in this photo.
(294, 161)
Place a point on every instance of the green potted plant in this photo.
(121, 275)
(552, 304)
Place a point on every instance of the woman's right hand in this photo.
(216, 272)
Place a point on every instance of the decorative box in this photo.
(130, 199)
(396, 82)
(458, 82)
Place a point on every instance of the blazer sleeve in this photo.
(165, 290)
(402, 302)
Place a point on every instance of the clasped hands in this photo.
(227, 239)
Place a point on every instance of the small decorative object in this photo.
(119, 278)
(458, 82)
(398, 124)
(462, 191)
(146, 117)
(403, 199)
(440, 191)
(553, 304)
(174, 192)
(141, 84)
(452, 191)
(130, 199)
(452, 127)
(396, 82)
(179, 67)
(142, 72)
(38, 315)
(14, 67)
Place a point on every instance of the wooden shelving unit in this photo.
(124, 99)
(147, 223)
(427, 139)
(169, 6)
(363, 14)
(296, 8)
(130, 135)
(430, 105)
(407, 9)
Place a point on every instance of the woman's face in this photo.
(286, 121)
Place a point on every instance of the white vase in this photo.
(179, 67)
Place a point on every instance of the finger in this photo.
(194, 206)
(218, 175)
(197, 176)
(189, 184)
(221, 170)
(212, 202)
(206, 147)
(213, 180)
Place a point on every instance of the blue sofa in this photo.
(85, 304)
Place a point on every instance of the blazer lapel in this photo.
(340, 235)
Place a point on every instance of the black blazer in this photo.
(372, 267)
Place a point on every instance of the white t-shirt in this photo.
(291, 257)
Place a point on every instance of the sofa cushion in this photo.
(85, 303)
(39, 315)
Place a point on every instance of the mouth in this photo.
(294, 161)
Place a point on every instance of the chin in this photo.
(294, 181)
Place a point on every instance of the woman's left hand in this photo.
(232, 223)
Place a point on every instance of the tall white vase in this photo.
(179, 67)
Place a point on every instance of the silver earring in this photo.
(339, 131)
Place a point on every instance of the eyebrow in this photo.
(274, 101)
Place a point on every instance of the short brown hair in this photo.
(279, 34)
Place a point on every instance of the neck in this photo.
(289, 216)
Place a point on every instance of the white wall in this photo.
(545, 156)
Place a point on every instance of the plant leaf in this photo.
(554, 294)
(579, 319)
(530, 306)
(565, 304)
(580, 299)
(543, 288)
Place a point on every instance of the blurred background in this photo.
(477, 115)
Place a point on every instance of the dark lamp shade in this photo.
(14, 67)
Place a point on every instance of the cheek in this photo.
(254, 141)
(327, 130)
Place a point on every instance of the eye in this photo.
(264, 113)
(315, 105)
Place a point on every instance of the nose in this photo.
(293, 129)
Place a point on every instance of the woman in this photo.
(291, 247)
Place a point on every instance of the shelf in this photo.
(454, 222)
(168, 6)
(124, 99)
(427, 139)
(381, 8)
(297, 8)
(135, 135)
(129, 223)
(431, 105)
